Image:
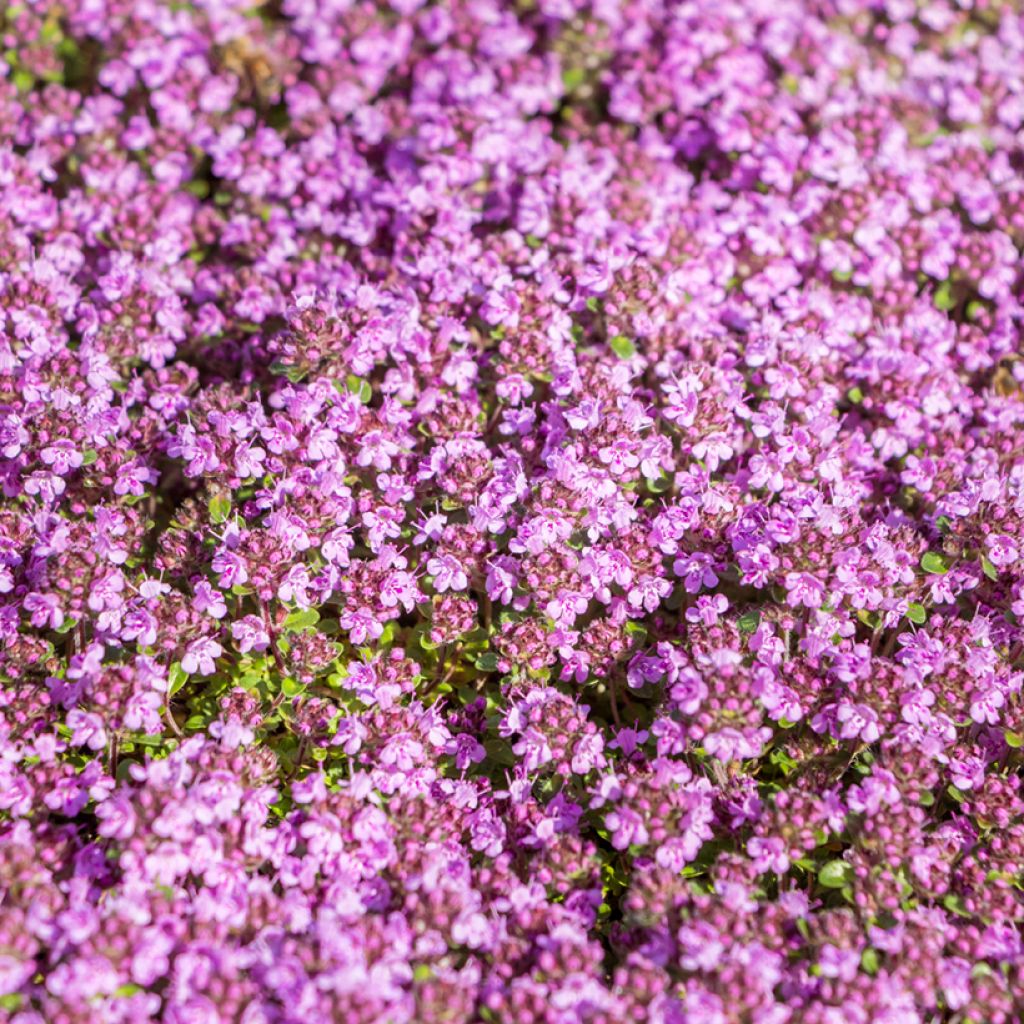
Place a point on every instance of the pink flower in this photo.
(626, 828)
(62, 457)
(249, 634)
(447, 573)
(199, 657)
(804, 589)
(208, 600)
(619, 456)
(985, 707)
(1002, 551)
(707, 609)
(769, 854)
(117, 818)
(87, 729)
(648, 592)
(857, 721)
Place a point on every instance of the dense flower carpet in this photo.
(512, 511)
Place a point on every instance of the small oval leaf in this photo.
(835, 874)
(622, 346)
(916, 613)
(220, 508)
(935, 562)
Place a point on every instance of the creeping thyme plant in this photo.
(513, 511)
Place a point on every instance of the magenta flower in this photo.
(447, 573)
(250, 634)
(199, 656)
(62, 457)
(857, 721)
(511, 511)
(804, 589)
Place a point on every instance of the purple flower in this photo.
(768, 854)
(447, 573)
(626, 828)
(117, 818)
(62, 457)
(804, 589)
(250, 634)
(199, 657)
(87, 729)
(707, 609)
(598, 430)
(857, 721)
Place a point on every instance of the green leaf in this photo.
(305, 618)
(783, 761)
(944, 298)
(935, 562)
(1013, 739)
(291, 687)
(425, 642)
(360, 388)
(989, 569)
(916, 613)
(660, 484)
(855, 395)
(835, 874)
(622, 346)
(176, 679)
(220, 508)
(89, 456)
(869, 960)
(955, 905)
(499, 753)
(487, 662)
(572, 78)
(749, 621)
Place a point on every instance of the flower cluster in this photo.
(513, 511)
